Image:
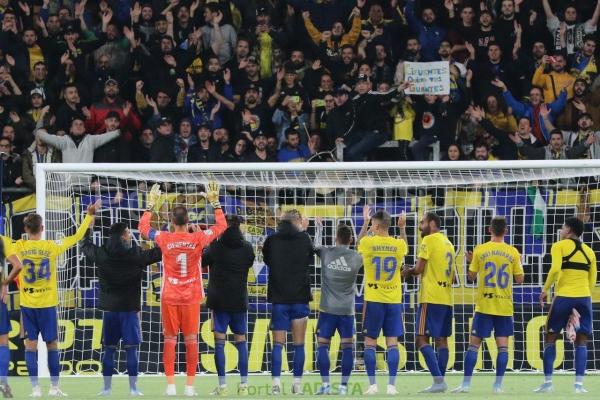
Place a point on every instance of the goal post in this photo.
(534, 196)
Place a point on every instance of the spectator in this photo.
(70, 108)
(38, 152)
(568, 35)
(260, 153)
(430, 34)
(554, 81)
(454, 153)
(583, 101)
(163, 146)
(481, 152)
(499, 117)
(583, 63)
(11, 165)
(340, 120)
(220, 38)
(143, 147)
(221, 140)
(531, 109)
(430, 124)
(184, 140)
(556, 150)
(292, 150)
(237, 152)
(336, 37)
(292, 117)
(583, 135)
(77, 146)
(204, 150)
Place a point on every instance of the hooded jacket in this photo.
(120, 271)
(288, 254)
(229, 259)
(73, 152)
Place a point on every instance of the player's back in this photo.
(577, 268)
(436, 281)
(182, 275)
(37, 280)
(339, 267)
(496, 263)
(383, 257)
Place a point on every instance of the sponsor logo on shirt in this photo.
(339, 264)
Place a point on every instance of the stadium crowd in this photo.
(290, 80)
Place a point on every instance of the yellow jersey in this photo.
(38, 286)
(573, 270)
(436, 280)
(383, 257)
(7, 247)
(495, 264)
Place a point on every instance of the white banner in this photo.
(427, 77)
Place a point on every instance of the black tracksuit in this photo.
(120, 272)
(229, 259)
(288, 254)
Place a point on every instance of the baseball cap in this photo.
(363, 78)
(164, 121)
(111, 81)
(204, 126)
(262, 10)
(252, 86)
(39, 92)
(113, 114)
(253, 60)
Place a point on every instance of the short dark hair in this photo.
(344, 234)
(33, 223)
(498, 226)
(589, 37)
(290, 132)
(117, 229)
(556, 132)
(179, 215)
(383, 217)
(575, 224)
(432, 216)
(233, 220)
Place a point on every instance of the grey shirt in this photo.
(73, 153)
(339, 267)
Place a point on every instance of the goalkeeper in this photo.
(121, 264)
(182, 289)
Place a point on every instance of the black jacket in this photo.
(288, 254)
(120, 272)
(369, 111)
(229, 258)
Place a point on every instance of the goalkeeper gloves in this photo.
(212, 194)
(153, 197)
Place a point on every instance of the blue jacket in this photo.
(525, 109)
(430, 37)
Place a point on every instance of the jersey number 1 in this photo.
(182, 262)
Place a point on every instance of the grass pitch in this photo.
(516, 386)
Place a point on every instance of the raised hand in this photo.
(361, 3)
(305, 14)
(93, 208)
(126, 108)
(498, 83)
(402, 220)
(135, 12)
(139, 85)
(180, 83)
(580, 106)
(14, 117)
(153, 196)
(227, 75)
(210, 87)
(212, 194)
(217, 19)
(591, 139)
(544, 111)
(366, 214)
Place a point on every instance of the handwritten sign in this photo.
(427, 77)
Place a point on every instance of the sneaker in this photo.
(342, 390)
(135, 392)
(104, 392)
(220, 391)
(436, 388)
(462, 389)
(545, 387)
(579, 389)
(391, 389)
(243, 389)
(55, 391)
(497, 389)
(297, 389)
(189, 391)
(171, 390)
(324, 390)
(6, 391)
(275, 390)
(371, 390)
(36, 391)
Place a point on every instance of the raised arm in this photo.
(60, 142)
(216, 230)
(593, 22)
(100, 140)
(72, 240)
(365, 227)
(548, 9)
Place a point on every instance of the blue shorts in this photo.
(40, 320)
(483, 324)
(560, 311)
(329, 323)
(434, 320)
(122, 325)
(4, 319)
(238, 322)
(282, 315)
(386, 316)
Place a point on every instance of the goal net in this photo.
(535, 198)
